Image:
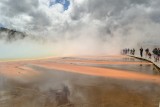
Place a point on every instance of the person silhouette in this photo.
(141, 52)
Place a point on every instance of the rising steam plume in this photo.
(84, 27)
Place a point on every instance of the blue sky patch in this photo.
(1, 26)
(65, 3)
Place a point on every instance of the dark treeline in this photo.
(11, 35)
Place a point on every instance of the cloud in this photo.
(93, 24)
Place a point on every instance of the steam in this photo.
(87, 27)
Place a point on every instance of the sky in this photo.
(82, 25)
(65, 3)
(1, 25)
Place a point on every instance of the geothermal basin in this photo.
(79, 81)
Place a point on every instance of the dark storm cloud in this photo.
(18, 9)
(39, 20)
(139, 2)
(15, 7)
(102, 20)
(113, 15)
(103, 8)
(155, 16)
(121, 12)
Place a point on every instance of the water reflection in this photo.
(54, 88)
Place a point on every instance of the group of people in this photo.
(155, 52)
(147, 53)
(128, 51)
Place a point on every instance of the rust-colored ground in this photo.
(87, 84)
